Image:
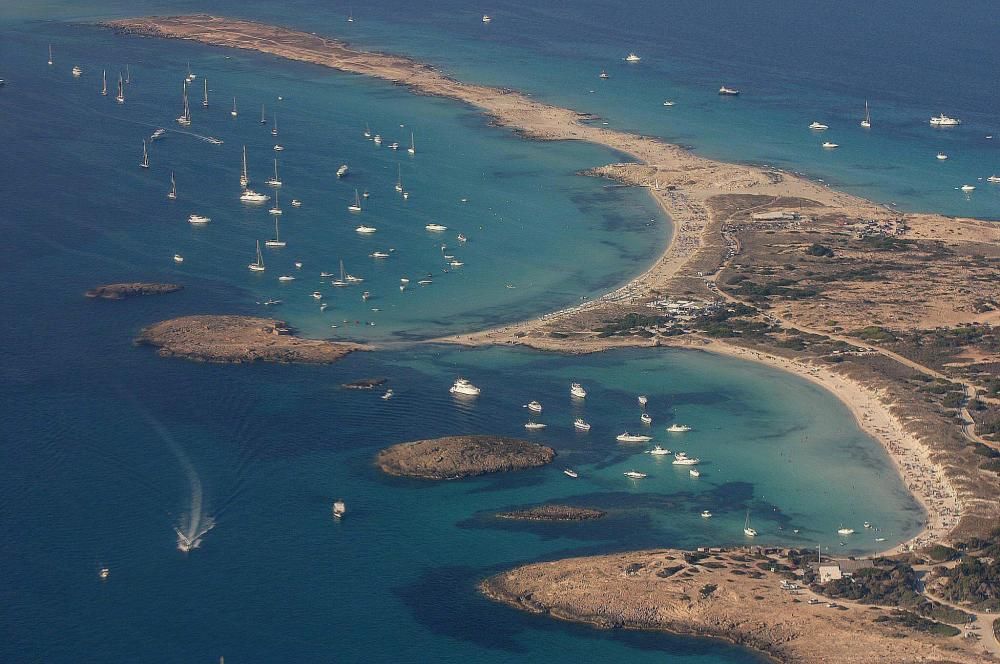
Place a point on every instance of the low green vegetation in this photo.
(817, 249)
(919, 623)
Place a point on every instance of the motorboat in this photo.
(278, 147)
(995, 179)
(379, 254)
(157, 135)
(728, 92)
(705, 514)
(576, 390)
(668, 102)
(178, 258)
(286, 277)
(534, 406)
(694, 472)
(646, 418)
(569, 472)
(388, 395)
(339, 509)
(316, 295)
(682, 459)
(643, 399)
(377, 140)
(659, 451)
(365, 230)
(461, 238)
(634, 475)
(103, 573)
(627, 437)
(678, 428)
(464, 387)
(968, 187)
(342, 171)
(251, 196)
(487, 18)
(534, 426)
(394, 145)
(581, 425)
(198, 219)
(845, 531)
(455, 263)
(830, 145)
(818, 126)
(603, 75)
(868, 524)
(296, 202)
(632, 57)
(944, 121)
(76, 71)
(436, 227)
(941, 156)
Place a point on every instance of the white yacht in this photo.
(145, 157)
(464, 387)
(342, 171)
(157, 134)
(533, 426)
(365, 230)
(251, 196)
(533, 406)
(643, 399)
(276, 241)
(388, 395)
(580, 425)
(678, 428)
(569, 472)
(274, 180)
(867, 122)
(728, 92)
(436, 227)
(941, 156)
(632, 57)
(668, 102)
(76, 71)
(172, 194)
(646, 419)
(634, 475)
(234, 112)
(178, 258)
(968, 187)
(413, 147)
(104, 573)
(705, 514)
(198, 219)
(845, 531)
(576, 390)
(316, 295)
(603, 75)
(994, 179)
(257, 265)
(487, 18)
(627, 437)
(339, 509)
(682, 459)
(747, 530)
(377, 139)
(659, 451)
(818, 126)
(356, 205)
(296, 202)
(944, 121)
(830, 145)
(694, 472)
(286, 277)
(379, 254)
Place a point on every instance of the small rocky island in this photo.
(553, 513)
(137, 289)
(453, 457)
(239, 339)
(364, 384)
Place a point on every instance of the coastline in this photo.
(684, 185)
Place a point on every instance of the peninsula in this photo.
(453, 457)
(124, 290)
(239, 339)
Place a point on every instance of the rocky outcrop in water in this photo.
(122, 291)
(453, 457)
(553, 513)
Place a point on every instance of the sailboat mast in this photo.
(204, 100)
(50, 55)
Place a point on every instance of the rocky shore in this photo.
(238, 339)
(553, 513)
(122, 291)
(453, 457)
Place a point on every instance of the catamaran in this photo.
(172, 194)
(258, 265)
(276, 241)
(104, 82)
(244, 178)
(234, 112)
(413, 148)
(867, 122)
(185, 117)
(145, 157)
(356, 205)
(120, 97)
(274, 181)
(204, 99)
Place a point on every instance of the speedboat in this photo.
(635, 475)
(643, 399)
(603, 75)
(104, 573)
(678, 428)
(818, 126)
(646, 419)
(682, 459)
(668, 103)
(251, 196)
(576, 390)
(845, 531)
(487, 18)
(941, 156)
(569, 472)
(378, 139)
(868, 524)
(198, 219)
(581, 425)
(387, 395)
(464, 387)
(632, 57)
(298, 265)
(286, 277)
(296, 202)
(342, 171)
(436, 227)
(77, 71)
(379, 254)
(425, 282)
(157, 134)
(316, 295)
(367, 230)
(705, 514)
(178, 258)
(694, 472)
(532, 426)
(534, 406)
(659, 451)
(339, 509)
(728, 92)
(879, 539)
(627, 437)
(968, 187)
(994, 179)
(830, 145)
(944, 121)
(278, 147)
(456, 263)
(461, 238)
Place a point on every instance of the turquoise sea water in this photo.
(105, 448)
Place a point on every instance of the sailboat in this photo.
(412, 149)
(277, 241)
(258, 265)
(747, 530)
(204, 99)
(263, 118)
(274, 129)
(244, 178)
(50, 55)
(104, 82)
(276, 210)
(399, 178)
(350, 16)
(145, 156)
(185, 117)
(356, 205)
(120, 97)
(233, 112)
(128, 74)
(274, 181)
(867, 122)
(172, 194)
(341, 281)
(368, 131)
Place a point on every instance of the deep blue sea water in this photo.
(105, 447)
